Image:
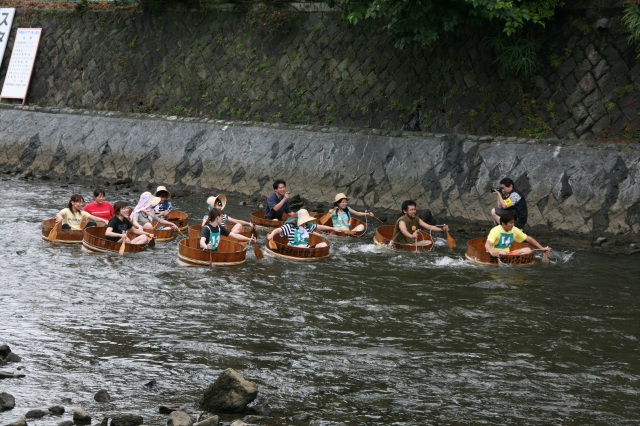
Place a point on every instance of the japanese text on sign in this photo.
(6, 20)
(23, 57)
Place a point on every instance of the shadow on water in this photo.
(366, 337)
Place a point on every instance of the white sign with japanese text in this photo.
(6, 20)
(23, 58)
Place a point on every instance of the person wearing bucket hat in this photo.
(212, 230)
(220, 202)
(407, 226)
(341, 214)
(299, 231)
(143, 214)
(164, 207)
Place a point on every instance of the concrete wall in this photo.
(569, 187)
(325, 72)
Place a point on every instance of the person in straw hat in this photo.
(298, 232)
(341, 214)
(219, 202)
(164, 207)
(143, 214)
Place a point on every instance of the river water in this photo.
(367, 337)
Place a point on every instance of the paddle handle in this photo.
(257, 251)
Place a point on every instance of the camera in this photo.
(495, 190)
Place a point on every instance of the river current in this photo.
(367, 337)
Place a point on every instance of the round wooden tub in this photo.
(229, 253)
(384, 235)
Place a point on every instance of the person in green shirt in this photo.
(407, 226)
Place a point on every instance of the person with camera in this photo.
(278, 202)
(510, 200)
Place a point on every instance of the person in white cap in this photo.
(341, 214)
(143, 214)
(219, 202)
(164, 207)
(298, 232)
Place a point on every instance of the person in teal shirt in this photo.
(212, 231)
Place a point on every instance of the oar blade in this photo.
(450, 241)
(53, 234)
(324, 218)
(273, 245)
(122, 247)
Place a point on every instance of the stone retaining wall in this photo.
(590, 190)
(325, 72)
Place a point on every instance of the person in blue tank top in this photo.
(341, 214)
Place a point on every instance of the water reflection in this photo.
(366, 337)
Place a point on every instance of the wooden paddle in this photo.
(53, 234)
(123, 245)
(375, 217)
(325, 218)
(273, 245)
(450, 241)
(256, 248)
(413, 228)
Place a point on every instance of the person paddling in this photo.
(407, 226)
(120, 224)
(341, 214)
(72, 216)
(502, 236)
(299, 231)
(212, 231)
(143, 214)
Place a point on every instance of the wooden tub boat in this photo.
(194, 232)
(180, 218)
(477, 254)
(95, 241)
(354, 222)
(65, 236)
(384, 235)
(257, 218)
(163, 235)
(229, 253)
(285, 251)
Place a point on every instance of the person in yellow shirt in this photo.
(73, 215)
(502, 236)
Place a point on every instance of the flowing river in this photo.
(367, 337)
